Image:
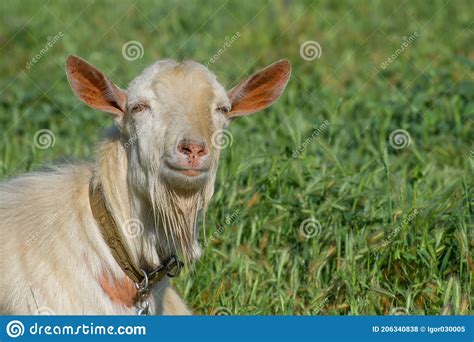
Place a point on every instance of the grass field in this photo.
(354, 194)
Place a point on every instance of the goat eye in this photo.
(138, 107)
(224, 109)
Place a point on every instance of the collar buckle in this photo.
(143, 286)
(173, 266)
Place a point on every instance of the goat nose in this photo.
(192, 149)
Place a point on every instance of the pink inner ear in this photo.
(260, 90)
(94, 88)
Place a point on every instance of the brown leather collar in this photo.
(120, 252)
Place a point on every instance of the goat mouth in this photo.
(189, 172)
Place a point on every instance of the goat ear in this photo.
(260, 90)
(94, 88)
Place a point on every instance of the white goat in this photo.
(156, 171)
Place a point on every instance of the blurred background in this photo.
(352, 195)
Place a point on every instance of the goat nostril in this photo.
(193, 150)
(185, 150)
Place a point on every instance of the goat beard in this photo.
(175, 216)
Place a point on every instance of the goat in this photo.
(153, 173)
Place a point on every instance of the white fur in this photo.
(52, 253)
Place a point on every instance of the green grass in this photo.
(394, 227)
